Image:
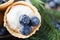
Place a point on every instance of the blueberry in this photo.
(3, 31)
(52, 4)
(24, 19)
(25, 30)
(34, 21)
(2, 1)
(57, 2)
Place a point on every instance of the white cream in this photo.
(14, 14)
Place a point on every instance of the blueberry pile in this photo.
(27, 23)
(58, 25)
(53, 3)
(2, 1)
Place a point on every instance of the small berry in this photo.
(2, 1)
(34, 21)
(52, 4)
(25, 30)
(24, 19)
(3, 31)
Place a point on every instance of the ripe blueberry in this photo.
(52, 4)
(24, 19)
(2, 1)
(3, 31)
(34, 21)
(25, 30)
